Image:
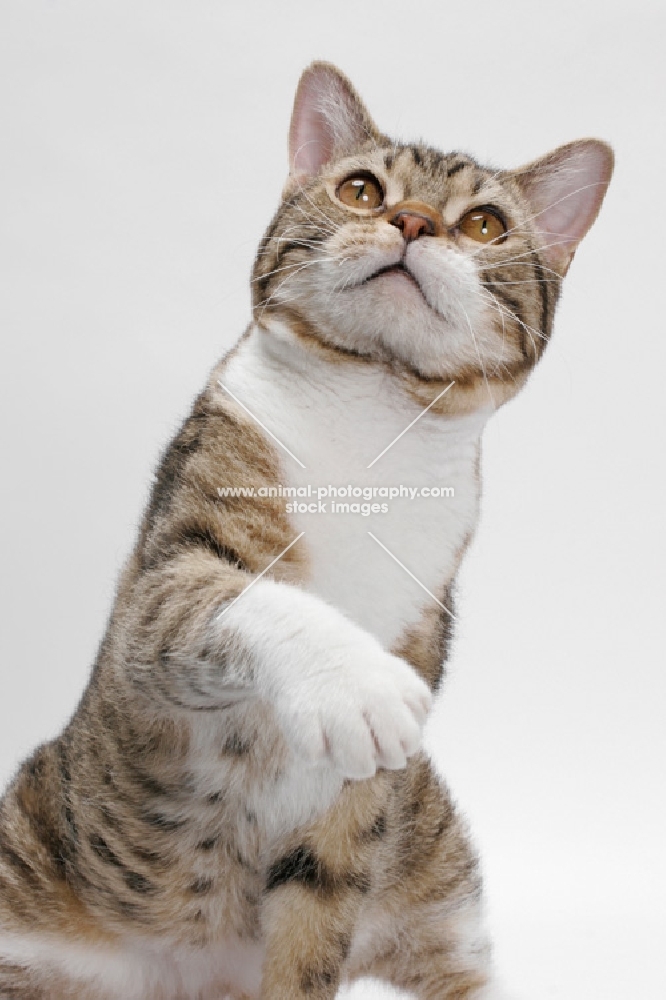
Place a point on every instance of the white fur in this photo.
(336, 692)
(336, 420)
(144, 968)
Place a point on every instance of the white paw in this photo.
(336, 692)
(362, 708)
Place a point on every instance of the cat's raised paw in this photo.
(359, 715)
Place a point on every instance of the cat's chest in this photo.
(385, 494)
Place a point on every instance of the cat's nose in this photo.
(415, 219)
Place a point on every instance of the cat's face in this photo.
(428, 261)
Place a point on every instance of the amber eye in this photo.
(361, 191)
(482, 225)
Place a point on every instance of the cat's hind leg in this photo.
(16, 983)
(315, 892)
(424, 931)
(431, 954)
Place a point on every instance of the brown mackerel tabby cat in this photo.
(239, 807)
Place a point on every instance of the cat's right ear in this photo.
(329, 119)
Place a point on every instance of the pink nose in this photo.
(415, 219)
(412, 226)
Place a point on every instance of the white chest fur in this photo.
(336, 418)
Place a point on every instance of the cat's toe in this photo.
(374, 717)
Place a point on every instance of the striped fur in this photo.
(239, 806)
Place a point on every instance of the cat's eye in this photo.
(361, 191)
(482, 225)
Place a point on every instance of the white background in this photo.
(143, 152)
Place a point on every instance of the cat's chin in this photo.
(409, 331)
(422, 306)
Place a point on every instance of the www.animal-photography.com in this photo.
(332, 531)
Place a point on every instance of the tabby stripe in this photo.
(302, 244)
(133, 880)
(17, 863)
(15, 984)
(456, 168)
(63, 763)
(171, 468)
(103, 851)
(139, 883)
(375, 832)
(515, 308)
(146, 782)
(202, 537)
(165, 661)
(59, 850)
(268, 235)
(319, 979)
(169, 696)
(161, 822)
(543, 289)
(65, 782)
(236, 746)
(202, 885)
(303, 867)
(209, 844)
(150, 857)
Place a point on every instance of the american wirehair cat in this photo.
(239, 806)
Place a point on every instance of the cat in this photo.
(239, 807)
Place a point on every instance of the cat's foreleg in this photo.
(203, 637)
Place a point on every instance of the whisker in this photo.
(317, 209)
(510, 261)
(295, 269)
(298, 265)
(525, 281)
(509, 312)
(305, 244)
(478, 354)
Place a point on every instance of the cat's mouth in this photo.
(399, 269)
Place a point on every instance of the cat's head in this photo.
(442, 268)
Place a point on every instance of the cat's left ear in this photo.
(564, 191)
(329, 119)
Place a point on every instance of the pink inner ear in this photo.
(311, 137)
(565, 191)
(328, 118)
